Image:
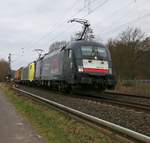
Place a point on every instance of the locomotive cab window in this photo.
(86, 50)
(92, 51)
(102, 52)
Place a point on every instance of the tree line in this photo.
(130, 53)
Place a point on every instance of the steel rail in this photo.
(127, 132)
(126, 94)
(138, 106)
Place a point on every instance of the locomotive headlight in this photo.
(110, 70)
(80, 69)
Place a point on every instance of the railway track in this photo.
(120, 102)
(117, 99)
(127, 103)
(131, 100)
(127, 133)
(127, 95)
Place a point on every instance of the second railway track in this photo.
(120, 102)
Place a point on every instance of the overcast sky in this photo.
(26, 25)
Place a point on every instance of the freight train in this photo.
(80, 64)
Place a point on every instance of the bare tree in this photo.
(128, 53)
(89, 36)
(57, 45)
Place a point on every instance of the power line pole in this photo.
(9, 68)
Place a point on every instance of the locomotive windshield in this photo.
(93, 51)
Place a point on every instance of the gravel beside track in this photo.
(134, 120)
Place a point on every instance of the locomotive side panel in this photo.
(52, 66)
(69, 65)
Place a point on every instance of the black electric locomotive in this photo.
(79, 64)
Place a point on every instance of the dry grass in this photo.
(133, 88)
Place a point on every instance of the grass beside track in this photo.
(52, 125)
